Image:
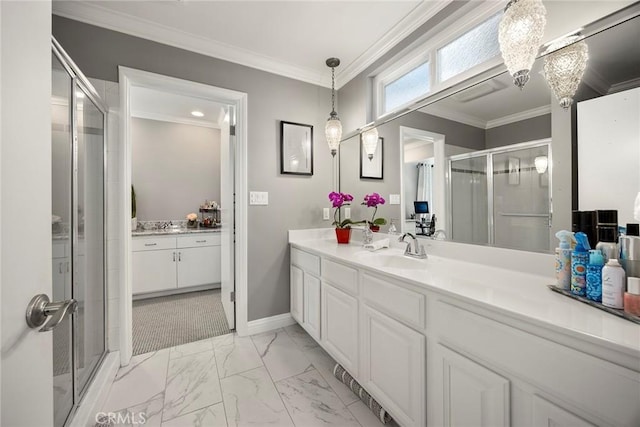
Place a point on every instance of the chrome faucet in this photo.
(418, 249)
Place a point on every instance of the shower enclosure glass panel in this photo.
(78, 232)
(88, 259)
(469, 199)
(521, 200)
(61, 157)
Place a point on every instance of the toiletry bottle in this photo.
(632, 296)
(579, 261)
(607, 242)
(594, 275)
(563, 259)
(432, 226)
(613, 284)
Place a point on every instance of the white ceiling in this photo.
(168, 107)
(291, 38)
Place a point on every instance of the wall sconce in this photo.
(520, 33)
(370, 142)
(333, 128)
(564, 66)
(541, 162)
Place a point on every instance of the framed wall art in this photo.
(296, 148)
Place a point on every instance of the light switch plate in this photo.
(394, 199)
(325, 213)
(347, 213)
(258, 198)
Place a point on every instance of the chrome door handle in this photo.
(41, 307)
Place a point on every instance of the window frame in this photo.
(426, 49)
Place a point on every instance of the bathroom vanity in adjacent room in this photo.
(469, 336)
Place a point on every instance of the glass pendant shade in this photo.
(564, 68)
(541, 162)
(333, 133)
(520, 33)
(370, 142)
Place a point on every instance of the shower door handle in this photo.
(40, 308)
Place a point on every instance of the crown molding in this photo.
(173, 119)
(622, 86)
(595, 81)
(456, 116)
(414, 19)
(524, 115)
(93, 14)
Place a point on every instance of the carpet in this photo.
(172, 320)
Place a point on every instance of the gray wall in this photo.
(175, 168)
(522, 131)
(294, 201)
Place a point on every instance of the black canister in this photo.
(633, 230)
(607, 220)
(585, 221)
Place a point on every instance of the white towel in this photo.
(378, 244)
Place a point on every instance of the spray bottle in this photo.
(579, 261)
(594, 275)
(563, 259)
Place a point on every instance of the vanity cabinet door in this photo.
(312, 306)
(472, 394)
(154, 271)
(393, 366)
(297, 302)
(339, 330)
(198, 266)
(546, 413)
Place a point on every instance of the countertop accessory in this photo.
(378, 244)
(563, 259)
(632, 296)
(579, 261)
(613, 284)
(620, 313)
(594, 275)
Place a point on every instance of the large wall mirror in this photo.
(505, 167)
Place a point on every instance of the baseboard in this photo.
(176, 291)
(269, 323)
(94, 399)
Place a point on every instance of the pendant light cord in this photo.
(333, 91)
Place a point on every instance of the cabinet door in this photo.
(154, 271)
(546, 413)
(340, 326)
(297, 280)
(198, 266)
(393, 366)
(472, 394)
(312, 305)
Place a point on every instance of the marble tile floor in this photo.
(278, 378)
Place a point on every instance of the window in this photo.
(453, 51)
(410, 86)
(470, 49)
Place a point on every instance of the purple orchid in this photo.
(373, 200)
(337, 201)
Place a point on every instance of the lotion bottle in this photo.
(563, 259)
(613, 284)
(579, 261)
(594, 275)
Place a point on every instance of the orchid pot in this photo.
(343, 235)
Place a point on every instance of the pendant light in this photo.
(564, 67)
(520, 33)
(333, 128)
(541, 162)
(370, 142)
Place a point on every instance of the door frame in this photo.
(128, 78)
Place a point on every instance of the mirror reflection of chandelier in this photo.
(370, 142)
(564, 67)
(520, 33)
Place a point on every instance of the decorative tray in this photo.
(614, 311)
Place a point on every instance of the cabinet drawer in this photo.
(153, 243)
(306, 261)
(340, 275)
(403, 304)
(208, 239)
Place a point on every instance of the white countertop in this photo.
(172, 232)
(517, 293)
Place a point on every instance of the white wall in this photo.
(175, 168)
(609, 153)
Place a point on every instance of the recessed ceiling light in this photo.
(197, 113)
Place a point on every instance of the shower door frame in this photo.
(80, 81)
(488, 154)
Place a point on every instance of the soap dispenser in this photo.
(579, 261)
(594, 275)
(563, 259)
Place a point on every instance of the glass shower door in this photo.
(468, 195)
(521, 199)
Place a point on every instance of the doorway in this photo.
(229, 211)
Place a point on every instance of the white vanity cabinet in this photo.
(305, 291)
(165, 263)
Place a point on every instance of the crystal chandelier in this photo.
(564, 67)
(333, 128)
(521, 30)
(370, 142)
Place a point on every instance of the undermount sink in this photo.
(392, 258)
